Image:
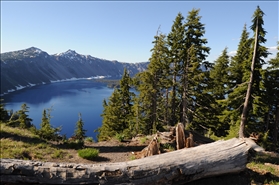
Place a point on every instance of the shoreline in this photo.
(19, 87)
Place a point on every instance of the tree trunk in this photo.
(175, 167)
(249, 89)
(276, 124)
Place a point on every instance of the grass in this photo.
(266, 168)
(168, 147)
(17, 143)
(132, 157)
(143, 140)
(88, 153)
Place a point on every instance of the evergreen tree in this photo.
(240, 62)
(219, 76)
(111, 123)
(126, 98)
(271, 97)
(24, 120)
(152, 84)
(118, 112)
(47, 131)
(3, 112)
(176, 44)
(253, 100)
(196, 99)
(238, 69)
(80, 132)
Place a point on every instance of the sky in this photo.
(124, 30)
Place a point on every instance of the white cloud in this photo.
(232, 53)
(272, 49)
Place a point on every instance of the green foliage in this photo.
(58, 154)
(24, 120)
(79, 132)
(74, 144)
(179, 85)
(143, 140)
(118, 112)
(3, 112)
(120, 137)
(132, 157)
(89, 139)
(169, 147)
(88, 153)
(47, 131)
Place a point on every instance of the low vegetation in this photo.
(22, 143)
(88, 153)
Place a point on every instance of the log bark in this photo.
(175, 167)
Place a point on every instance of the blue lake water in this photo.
(67, 99)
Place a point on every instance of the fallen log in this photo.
(175, 167)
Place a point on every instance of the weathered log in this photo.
(175, 167)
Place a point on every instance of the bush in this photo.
(88, 153)
(120, 137)
(89, 139)
(57, 154)
(75, 144)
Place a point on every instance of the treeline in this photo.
(210, 98)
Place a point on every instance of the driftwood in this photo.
(180, 166)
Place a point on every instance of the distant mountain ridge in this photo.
(33, 66)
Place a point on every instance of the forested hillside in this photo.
(214, 99)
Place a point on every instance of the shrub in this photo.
(75, 144)
(120, 137)
(143, 140)
(57, 154)
(88, 153)
(89, 139)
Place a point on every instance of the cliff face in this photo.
(34, 66)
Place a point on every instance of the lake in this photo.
(67, 99)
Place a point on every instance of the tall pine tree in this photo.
(118, 116)
(152, 85)
(80, 132)
(196, 100)
(176, 44)
(253, 104)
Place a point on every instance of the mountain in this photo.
(33, 66)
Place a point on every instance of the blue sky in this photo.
(124, 30)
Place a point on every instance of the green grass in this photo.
(168, 147)
(132, 157)
(143, 140)
(18, 143)
(266, 166)
(88, 153)
(58, 154)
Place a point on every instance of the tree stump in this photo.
(180, 136)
